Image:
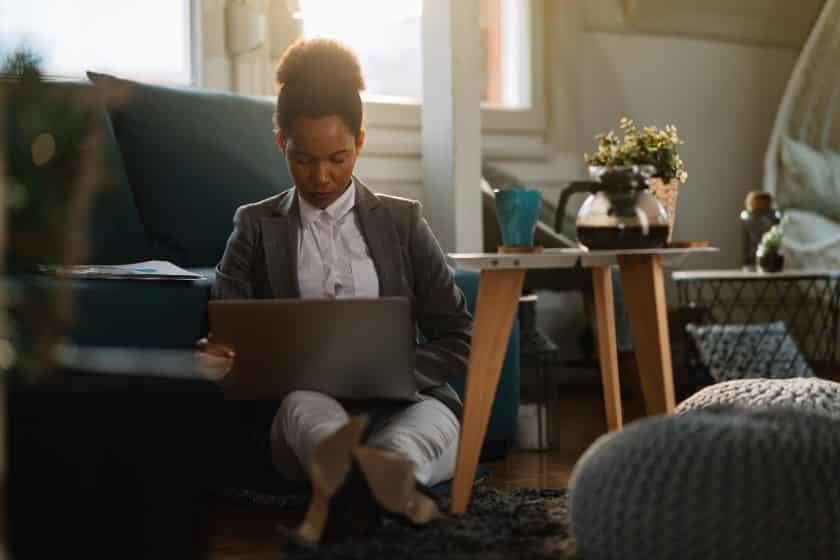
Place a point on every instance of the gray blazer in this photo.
(260, 261)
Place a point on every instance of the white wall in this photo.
(722, 95)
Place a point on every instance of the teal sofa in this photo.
(179, 162)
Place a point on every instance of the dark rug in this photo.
(500, 524)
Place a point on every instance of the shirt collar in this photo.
(337, 210)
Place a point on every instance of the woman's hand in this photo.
(214, 358)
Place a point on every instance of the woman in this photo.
(331, 237)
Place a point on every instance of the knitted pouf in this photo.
(806, 393)
(722, 483)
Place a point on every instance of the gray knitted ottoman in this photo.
(806, 393)
(720, 483)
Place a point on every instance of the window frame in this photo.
(195, 53)
(196, 45)
(381, 111)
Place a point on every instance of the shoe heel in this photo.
(390, 478)
(328, 469)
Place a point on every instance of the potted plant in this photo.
(769, 255)
(652, 146)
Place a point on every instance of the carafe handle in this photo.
(572, 188)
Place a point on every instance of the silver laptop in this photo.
(358, 348)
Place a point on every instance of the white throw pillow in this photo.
(811, 240)
(751, 351)
(810, 179)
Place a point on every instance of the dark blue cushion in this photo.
(115, 233)
(192, 157)
(141, 314)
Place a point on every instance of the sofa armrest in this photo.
(135, 313)
(148, 314)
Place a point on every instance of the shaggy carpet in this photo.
(500, 524)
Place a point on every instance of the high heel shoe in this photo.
(328, 469)
(390, 478)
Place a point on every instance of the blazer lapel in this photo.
(382, 240)
(280, 242)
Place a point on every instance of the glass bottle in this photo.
(757, 217)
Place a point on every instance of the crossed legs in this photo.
(426, 433)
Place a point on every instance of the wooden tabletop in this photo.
(567, 258)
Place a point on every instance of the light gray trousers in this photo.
(425, 432)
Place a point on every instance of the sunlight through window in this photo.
(387, 35)
(148, 40)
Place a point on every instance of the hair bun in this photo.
(315, 63)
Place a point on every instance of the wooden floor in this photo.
(575, 422)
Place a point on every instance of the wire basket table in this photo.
(749, 304)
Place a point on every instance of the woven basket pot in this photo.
(666, 194)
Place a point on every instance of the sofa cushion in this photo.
(192, 157)
(115, 233)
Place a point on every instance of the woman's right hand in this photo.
(214, 358)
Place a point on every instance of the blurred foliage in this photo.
(21, 61)
(48, 131)
(53, 161)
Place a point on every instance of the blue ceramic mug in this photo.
(517, 211)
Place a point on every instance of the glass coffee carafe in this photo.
(620, 212)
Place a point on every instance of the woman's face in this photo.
(321, 154)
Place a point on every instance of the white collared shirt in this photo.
(333, 257)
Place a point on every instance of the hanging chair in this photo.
(802, 164)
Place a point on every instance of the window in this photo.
(506, 45)
(386, 35)
(148, 40)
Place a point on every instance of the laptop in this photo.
(358, 348)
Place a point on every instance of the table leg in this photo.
(498, 296)
(644, 295)
(607, 346)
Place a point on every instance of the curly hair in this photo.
(318, 78)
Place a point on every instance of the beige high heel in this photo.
(328, 468)
(390, 478)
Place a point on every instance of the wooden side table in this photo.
(502, 275)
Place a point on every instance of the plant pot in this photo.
(771, 262)
(666, 194)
